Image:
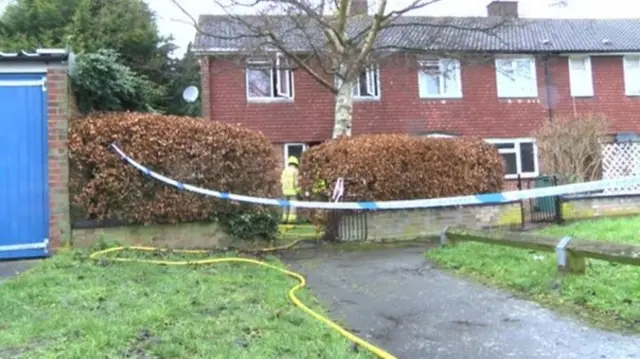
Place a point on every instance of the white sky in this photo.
(171, 20)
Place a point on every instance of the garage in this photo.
(27, 110)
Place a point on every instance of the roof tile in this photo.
(222, 33)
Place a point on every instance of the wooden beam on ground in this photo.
(575, 250)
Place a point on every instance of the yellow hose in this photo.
(380, 353)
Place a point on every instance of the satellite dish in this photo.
(190, 94)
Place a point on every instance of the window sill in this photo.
(522, 176)
(586, 97)
(442, 97)
(518, 97)
(366, 99)
(632, 94)
(270, 100)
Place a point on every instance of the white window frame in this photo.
(286, 149)
(372, 72)
(444, 66)
(580, 87)
(277, 66)
(507, 91)
(516, 150)
(631, 74)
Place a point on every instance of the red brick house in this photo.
(535, 69)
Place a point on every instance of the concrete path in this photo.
(11, 268)
(395, 298)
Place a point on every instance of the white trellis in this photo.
(619, 160)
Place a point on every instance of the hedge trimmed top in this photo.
(393, 167)
(206, 154)
(234, 159)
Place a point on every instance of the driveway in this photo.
(396, 299)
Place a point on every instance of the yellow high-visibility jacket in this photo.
(319, 186)
(289, 181)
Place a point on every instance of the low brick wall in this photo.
(582, 207)
(375, 225)
(175, 236)
(420, 223)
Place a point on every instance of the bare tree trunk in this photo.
(344, 110)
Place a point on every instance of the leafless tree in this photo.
(571, 147)
(339, 42)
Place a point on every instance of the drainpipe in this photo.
(547, 85)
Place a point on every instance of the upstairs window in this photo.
(580, 78)
(439, 78)
(368, 84)
(269, 79)
(631, 75)
(516, 77)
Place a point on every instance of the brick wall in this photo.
(309, 117)
(278, 149)
(58, 162)
(176, 236)
(599, 206)
(205, 80)
(420, 223)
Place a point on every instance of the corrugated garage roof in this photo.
(40, 55)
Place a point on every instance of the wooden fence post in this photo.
(569, 262)
(444, 240)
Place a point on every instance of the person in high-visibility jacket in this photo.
(289, 182)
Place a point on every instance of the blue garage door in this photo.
(24, 210)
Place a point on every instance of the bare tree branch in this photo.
(571, 147)
(335, 45)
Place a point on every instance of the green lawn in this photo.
(609, 294)
(73, 307)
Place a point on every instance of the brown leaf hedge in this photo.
(396, 167)
(203, 153)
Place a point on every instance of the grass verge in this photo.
(73, 307)
(608, 295)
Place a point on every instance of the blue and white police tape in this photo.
(488, 198)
